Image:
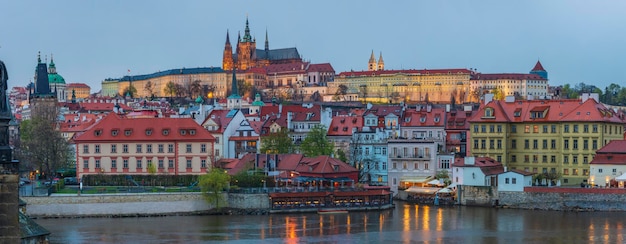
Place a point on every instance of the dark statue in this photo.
(5, 116)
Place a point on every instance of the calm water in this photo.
(407, 223)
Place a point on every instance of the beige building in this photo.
(118, 145)
(79, 90)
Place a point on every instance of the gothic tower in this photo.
(227, 61)
(371, 65)
(539, 70)
(381, 63)
(234, 100)
(246, 49)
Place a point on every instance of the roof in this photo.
(423, 118)
(342, 125)
(299, 67)
(116, 128)
(182, 71)
(538, 67)
(77, 85)
(108, 107)
(506, 76)
(613, 153)
(562, 110)
(487, 165)
(522, 172)
(220, 117)
(56, 78)
(615, 146)
(406, 71)
(278, 54)
(324, 67)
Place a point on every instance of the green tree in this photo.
(316, 143)
(149, 87)
(152, 168)
(497, 94)
(341, 155)
(196, 88)
(170, 89)
(41, 145)
(277, 143)
(130, 90)
(213, 184)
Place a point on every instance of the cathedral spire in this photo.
(39, 57)
(267, 42)
(381, 63)
(234, 90)
(52, 69)
(227, 38)
(371, 64)
(246, 34)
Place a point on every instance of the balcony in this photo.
(409, 156)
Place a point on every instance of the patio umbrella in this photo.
(558, 183)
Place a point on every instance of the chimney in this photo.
(447, 108)
(470, 160)
(509, 99)
(289, 120)
(429, 108)
(488, 97)
(280, 108)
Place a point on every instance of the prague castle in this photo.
(248, 56)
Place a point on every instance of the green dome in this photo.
(199, 100)
(56, 78)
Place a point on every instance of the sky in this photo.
(575, 40)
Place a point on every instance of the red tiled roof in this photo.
(538, 67)
(256, 126)
(487, 165)
(557, 110)
(288, 68)
(615, 146)
(506, 76)
(113, 128)
(343, 125)
(414, 118)
(406, 71)
(219, 117)
(522, 172)
(325, 67)
(108, 107)
(77, 85)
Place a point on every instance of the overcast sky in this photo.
(576, 41)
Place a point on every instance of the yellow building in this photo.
(544, 136)
(214, 78)
(77, 91)
(384, 86)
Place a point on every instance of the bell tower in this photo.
(227, 60)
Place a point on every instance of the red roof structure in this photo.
(487, 165)
(538, 67)
(613, 153)
(405, 71)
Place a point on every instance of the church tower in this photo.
(234, 100)
(42, 101)
(381, 63)
(539, 70)
(371, 65)
(227, 60)
(246, 49)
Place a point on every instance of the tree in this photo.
(316, 97)
(341, 155)
(316, 143)
(341, 92)
(149, 87)
(364, 163)
(130, 90)
(213, 184)
(170, 89)
(277, 143)
(42, 146)
(244, 88)
(196, 88)
(497, 94)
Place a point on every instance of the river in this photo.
(407, 223)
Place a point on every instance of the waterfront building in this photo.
(531, 85)
(457, 129)
(341, 129)
(247, 56)
(122, 145)
(544, 136)
(514, 180)
(476, 171)
(394, 86)
(609, 165)
(222, 124)
(77, 91)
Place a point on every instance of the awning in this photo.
(453, 185)
(444, 190)
(423, 190)
(621, 177)
(415, 179)
(341, 179)
(434, 182)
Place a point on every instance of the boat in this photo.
(332, 211)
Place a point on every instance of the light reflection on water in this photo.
(407, 223)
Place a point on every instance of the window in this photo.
(404, 165)
(475, 128)
(499, 144)
(203, 148)
(585, 144)
(188, 146)
(483, 128)
(499, 128)
(585, 160)
(160, 163)
(535, 144)
(148, 132)
(483, 143)
(188, 163)
(535, 129)
(513, 158)
(138, 148)
(566, 128)
(585, 172)
(594, 144)
(149, 148)
(492, 128)
(125, 148)
(526, 158)
(160, 148)
(575, 144)
(384, 151)
(599, 170)
(545, 129)
(553, 144)
(183, 132)
(489, 112)
(594, 128)
(575, 159)
(85, 164)
(565, 159)
(513, 129)
(394, 166)
(139, 164)
(85, 148)
(552, 159)
(553, 128)
(127, 132)
(586, 128)
(113, 148)
(170, 148)
(217, 152)
(566, 144)
(165, 132)
(575, 128)
(475, 144)
(192, 132)
(125, 163)
(506, 180)
(170, 163)
(514, 181)
(203, 163)
(499, 158)
(513, 144)
(535, 158)
(97, 148)
(526, 144)
(565, 171)
(544, 158)
(113, 163)
(574, 171)
(545, 144)
(491, 144)
(527, 129)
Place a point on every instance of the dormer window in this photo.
(165, 132)
(423, 119)
(489, 113)
(183, 132)
(97, 132)
(114, 132)
(148, 132)
(127, 132)
(192, 132)
(437, 119)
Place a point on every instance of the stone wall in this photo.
(563, 201)
(9, 220)
(476, 195)
(107, 205)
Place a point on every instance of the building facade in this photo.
(119, 145)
